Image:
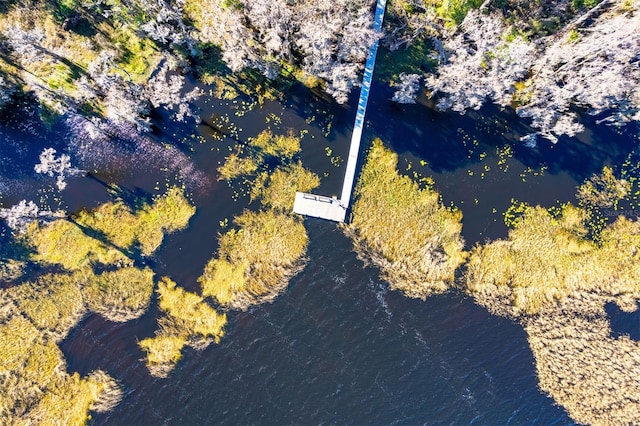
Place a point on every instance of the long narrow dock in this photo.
(332, 208)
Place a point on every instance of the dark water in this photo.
(337, 347)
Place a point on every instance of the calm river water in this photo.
(337, 347)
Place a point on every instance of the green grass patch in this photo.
(404, 229)
(414, 59)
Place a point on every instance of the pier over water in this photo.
(333, 208)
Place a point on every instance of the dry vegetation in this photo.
(188, 320)
(548, 257)
(556, 281)
(404, 229)
(34, 386)
(64, 243)
(592, 374)
(59, 58)
(34, 315)
(255, 260)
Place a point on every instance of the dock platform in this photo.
(332, 208)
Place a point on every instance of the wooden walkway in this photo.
(332, 208)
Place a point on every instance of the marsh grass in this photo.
(34, 387)
(109, 234)
(258, 153)
(163, 353)
(236, 166)
(283, 147)
(603, 190)
(277, 190)
(255, 259)
(97, 250)
(548, 256)
(64, 243)
(120, 295)
(145, 227)
(404, 229)
(53, 303)
(590, 372)
(188, 320)
(70, 398)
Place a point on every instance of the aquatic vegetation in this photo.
(145, 227)
(259, 150)
(277, 190)
(107, 234)
(65, 243)
(120, 295)
(34, 386)
(283, 147)
(603, 190)
(53, 303)
(68, 400)
(236, 166)
(586, 369)
(255, 259)
(547, 257)
(188, 320)
(556, 281)
(163, 353)
(97, 248)
(404, 229)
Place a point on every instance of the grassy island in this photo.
(265, 249)
(188, 320)
(404, 229)
(90, 258)
(556, 281)
(256, 260)
(35, 388)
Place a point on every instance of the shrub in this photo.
(403, 229)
